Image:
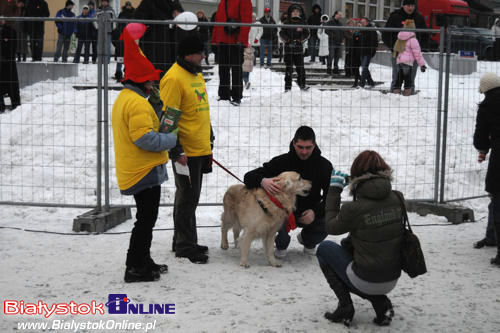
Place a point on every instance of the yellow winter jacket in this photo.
(187, 92)
(133, 117)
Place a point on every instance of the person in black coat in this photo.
(9, 82)
(267, 38)
(352, 53)
(487, 140)
(313, 43)
(158, 43)
(334, 43)
(36, 30)
(127, 13)
(369, 44)
(294, 51)
(204, 32)
(304, 158)
(396, 20)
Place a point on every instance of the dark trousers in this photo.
(493, 226)
(312, 46)
(36, 44)
(312, 234)
(93, 44)
(230, 71)
(82, 44)
(147, 203)
(293, 57)
(62, 44)
(9, 82)
(404, 76)
(365, 71)
(187, 196)
(333, 55)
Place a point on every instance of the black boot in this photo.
(329, 71)
(345, 310)
(370, 81)
(383, 309)
(355, 85)
(496, 260)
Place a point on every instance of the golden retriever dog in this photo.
(252, 211)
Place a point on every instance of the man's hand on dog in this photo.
(307, 217)
(270, 185)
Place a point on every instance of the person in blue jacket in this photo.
(65, 31)
(84, 33)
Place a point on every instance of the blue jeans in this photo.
(312, 45)
(266, 43)
(246, 77)
(493, 218)
(365, 72)
(62, 44)
(331, 254)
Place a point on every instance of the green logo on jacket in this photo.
(201, 96)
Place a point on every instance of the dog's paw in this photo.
(224, 246)
(244, 264)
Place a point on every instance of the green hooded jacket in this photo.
(374, 221)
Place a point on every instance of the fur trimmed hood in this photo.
(372, 185)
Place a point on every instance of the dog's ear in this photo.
(287, 183)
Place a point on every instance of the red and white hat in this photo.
(137, 67)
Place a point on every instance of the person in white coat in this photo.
(250, 53)
(495, 29)
(254, 36)
(323, 41)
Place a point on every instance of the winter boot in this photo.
(407, 92)
(118, 76)
(329, 71)
(370, 81)
(484, 242)
(383, 309)
(355, 85)
(397, 91)
(143, 274)
(496, 260)
(345, 310)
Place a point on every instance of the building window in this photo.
(349, 10)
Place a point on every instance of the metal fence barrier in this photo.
(56, 149)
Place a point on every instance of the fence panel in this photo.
(464, 176)
(48, 144)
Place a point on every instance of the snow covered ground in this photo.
(48, 155)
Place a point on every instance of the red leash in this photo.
(223, 168)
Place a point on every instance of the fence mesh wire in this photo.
(48, 145)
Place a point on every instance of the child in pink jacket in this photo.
(407, 51)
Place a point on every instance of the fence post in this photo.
(105, 123)
(445, 115)
(442, 34)
(100, 45)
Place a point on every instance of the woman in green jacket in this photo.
(367, 262)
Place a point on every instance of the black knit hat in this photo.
(69, 3)
(191, 44)
(407, 2)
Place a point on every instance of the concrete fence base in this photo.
(33, 72)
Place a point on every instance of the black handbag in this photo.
(230, 29)
(412, 257)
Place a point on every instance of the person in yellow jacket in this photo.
(140, 154)
(183, 87)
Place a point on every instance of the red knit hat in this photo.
(137, 67)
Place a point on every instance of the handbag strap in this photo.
(406, 221)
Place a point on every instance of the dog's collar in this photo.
(290, 223)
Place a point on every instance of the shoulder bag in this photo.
(412, 257)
